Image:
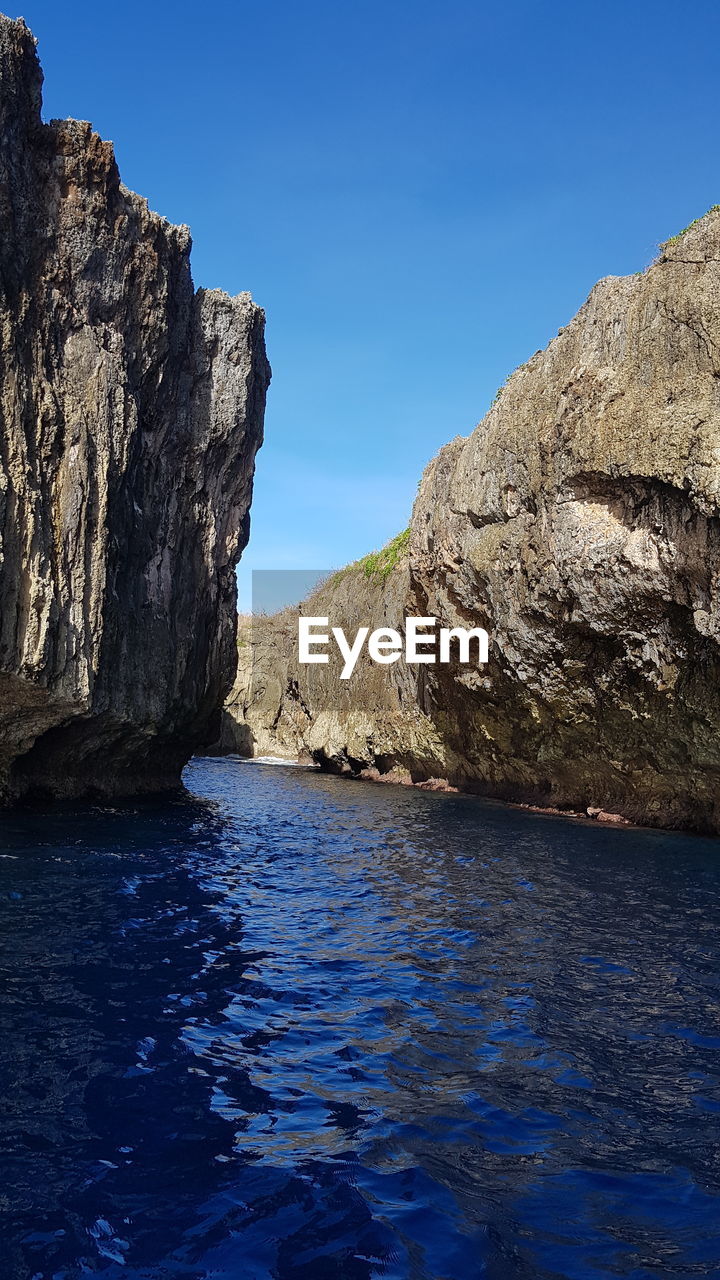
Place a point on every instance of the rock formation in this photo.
(131, 408)
(580, 524)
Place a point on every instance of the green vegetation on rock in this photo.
(379, 564)
(674, 239)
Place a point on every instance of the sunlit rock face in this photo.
(131, 408)
(579, 523)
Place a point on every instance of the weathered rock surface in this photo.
(580, 524)
(131, 408)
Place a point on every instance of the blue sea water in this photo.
(295, 1027)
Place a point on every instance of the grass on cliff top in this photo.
(674, 239)
(378, 565)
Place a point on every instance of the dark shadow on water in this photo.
(108, 941)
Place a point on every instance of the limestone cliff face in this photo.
(131, 408)
(580, 524)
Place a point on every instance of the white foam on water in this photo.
(293, 764)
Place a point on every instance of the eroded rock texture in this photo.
(580, 524)
(131, 408)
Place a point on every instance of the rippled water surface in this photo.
(301, 1028)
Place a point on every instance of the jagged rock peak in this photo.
(131, 408)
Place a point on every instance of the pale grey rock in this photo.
(131, 409)
(580, 524)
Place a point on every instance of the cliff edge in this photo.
(580, 525)
(131, 408)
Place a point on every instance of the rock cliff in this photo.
(580, 525)
(131, 408)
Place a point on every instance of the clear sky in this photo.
(419, 194)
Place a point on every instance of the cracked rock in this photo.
(131, 408)
(580, 525)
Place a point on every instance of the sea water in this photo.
(297, 1027)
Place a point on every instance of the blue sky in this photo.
(419, 195)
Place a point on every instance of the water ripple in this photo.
(292, 1028)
